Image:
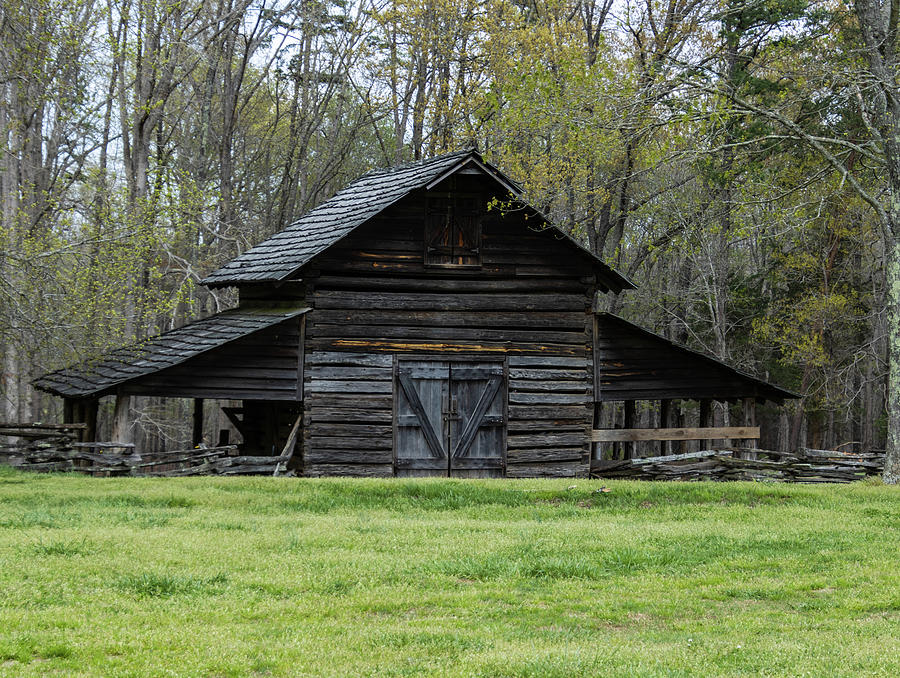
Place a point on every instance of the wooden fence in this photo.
(625, 440)
(47, 448)
(802, 466)
(50, 447)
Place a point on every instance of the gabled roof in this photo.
(285, 252)
(160, 352)
(676, 369)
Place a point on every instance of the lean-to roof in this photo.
(160, 352)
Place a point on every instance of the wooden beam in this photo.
(630, 412)
(749, 412)
(197, 430)
(91, 408)
(122, 424)
(301, 358)
(665, 412)
(635, 434)
(290, 445)
(68, 410)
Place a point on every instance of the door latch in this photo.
(452, 408)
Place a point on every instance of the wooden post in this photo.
(749, 420)
(91, 408)
(596, 452)
(122, 431)
(69, 411)
(680, 423)
(628, 448)
(705, 412)
(197, 432)
(665, 409)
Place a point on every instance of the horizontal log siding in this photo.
(262, 366)
(373, 297)
(348, 414)
(549, 416)
(631, 366)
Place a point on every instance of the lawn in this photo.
(296, 577)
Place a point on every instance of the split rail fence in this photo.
(731, 462)
(48, 448)
(56, 448)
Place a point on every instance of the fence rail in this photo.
(802, 466)
(51, 447)
(630, 435)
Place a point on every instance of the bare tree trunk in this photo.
(892, 459)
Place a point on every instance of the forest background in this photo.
(737, 159)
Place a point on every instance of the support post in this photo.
(678, 417)
(122, 429)
(749, 420)
(197, 430)
(91, 407)
(665, 409)
(705, 412)
(628, 448)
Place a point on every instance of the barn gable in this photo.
(282, 255)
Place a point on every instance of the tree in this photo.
(865, 71)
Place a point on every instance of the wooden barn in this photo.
(423, 321)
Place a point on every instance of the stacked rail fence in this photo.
(57, 448)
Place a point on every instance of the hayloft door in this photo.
(450, 418)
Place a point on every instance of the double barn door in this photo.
(450, 418)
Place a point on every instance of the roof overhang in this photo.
(673, 371)
(122, 366)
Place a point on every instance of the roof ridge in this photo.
(289, 249)
(411, 164)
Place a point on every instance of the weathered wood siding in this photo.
(373, 298)
(347, 414)
(262, 366)
(549, 416)
(632, 365)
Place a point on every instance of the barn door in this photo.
(478, 397)
(449, 418)
(422, 391)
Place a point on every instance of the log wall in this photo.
(261, 366)
(374, 298)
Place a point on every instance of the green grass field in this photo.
(289, 577)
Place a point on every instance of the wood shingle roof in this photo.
(160, 352)
(288, 250)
